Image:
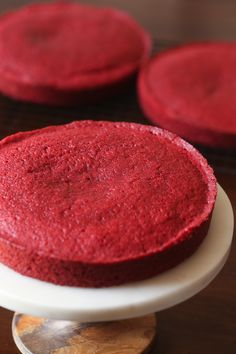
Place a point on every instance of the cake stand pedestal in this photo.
(42, 336)
(108, 320)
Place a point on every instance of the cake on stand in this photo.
(110, 320)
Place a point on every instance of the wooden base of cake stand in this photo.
(65, 314)
(35, 335)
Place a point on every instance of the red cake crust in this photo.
(96, 204)
(65, 52)
(190, 90)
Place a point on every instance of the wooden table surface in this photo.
(205, 324)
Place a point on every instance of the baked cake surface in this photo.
(99, 204)
(190, 90)
(65, 52)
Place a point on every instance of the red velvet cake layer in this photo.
(65, 52)
(190, 90)
(99, 204)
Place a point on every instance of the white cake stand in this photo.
(33, 297)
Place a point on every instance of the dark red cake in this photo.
(96, 204)
(191, 90)
(65, 52)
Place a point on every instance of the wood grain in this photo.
(43, 336)
(28, 324)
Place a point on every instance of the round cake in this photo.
(65, 52)
(97, 204)
(191, 91)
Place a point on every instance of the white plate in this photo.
(37, 298)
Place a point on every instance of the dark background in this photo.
(205, 324)
(172, 19)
